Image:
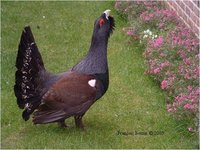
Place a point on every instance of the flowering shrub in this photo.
(171, 54)
(161, 19)
(173, 60)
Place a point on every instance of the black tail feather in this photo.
(29, 65)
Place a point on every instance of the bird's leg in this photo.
(78, 122)
(62, 124)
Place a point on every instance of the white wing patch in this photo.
(92, 82)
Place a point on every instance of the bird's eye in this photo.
(101, 22)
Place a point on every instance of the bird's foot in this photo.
(80, 126)
(78, 122)
(62, 124)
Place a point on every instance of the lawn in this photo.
(133, 108)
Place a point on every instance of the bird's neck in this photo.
(98, 50)
(96, 59)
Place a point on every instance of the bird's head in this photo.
(105, 24)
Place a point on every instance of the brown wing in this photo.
(71, 95)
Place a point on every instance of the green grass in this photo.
(134, 102)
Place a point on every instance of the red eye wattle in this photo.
(101, 22)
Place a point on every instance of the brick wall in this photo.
(188, 11)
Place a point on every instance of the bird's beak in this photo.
(107, 13)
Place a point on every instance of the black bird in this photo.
(56, 97)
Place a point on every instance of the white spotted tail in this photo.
(29, 65)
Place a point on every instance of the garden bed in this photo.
(171, 54)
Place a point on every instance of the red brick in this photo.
(181, 4)
(196, 11)
(187, 10)
(168, 5)
(188, 19)
(195, 19)
(189, 4)
(198, 22)
(175, 5)
(195, 28)
(171, 2)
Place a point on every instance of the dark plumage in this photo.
(55, 97)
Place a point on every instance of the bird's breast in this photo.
(102, 84)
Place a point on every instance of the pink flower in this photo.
(182, 54)
(130, 33)
(151, 15)
(161, 24)
(163, 84)
(190, 129)
(164, 64)
(157, 70)
(198, 56)
(187, 61)
(198, 70)
(197, 91)
(158, 42)
(189, 87)
(169, 109)
(188, 106)
(146, 18)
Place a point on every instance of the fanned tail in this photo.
(29, 66)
